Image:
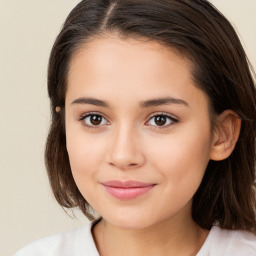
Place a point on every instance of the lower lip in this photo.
(128, 193)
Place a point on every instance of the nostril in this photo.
(123, 165)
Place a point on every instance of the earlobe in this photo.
(225, 135)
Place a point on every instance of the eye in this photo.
(93, 120)
(161, 120)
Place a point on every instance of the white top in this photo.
(79, 242)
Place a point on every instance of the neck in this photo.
(168, 237)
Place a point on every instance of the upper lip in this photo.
(126, 184)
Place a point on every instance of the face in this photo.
(138, 131)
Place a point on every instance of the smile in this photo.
(126, 190)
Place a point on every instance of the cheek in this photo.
(85, 159)
(182, 163)
(182, 157)
(85, 152)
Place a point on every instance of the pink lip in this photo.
(127, 189)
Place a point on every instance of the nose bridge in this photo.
(125, 152)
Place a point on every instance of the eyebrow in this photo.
(91, 101)
(163, 101)
(145, 104)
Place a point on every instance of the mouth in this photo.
(127, 190)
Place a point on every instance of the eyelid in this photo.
(173, 118)
(84, 115)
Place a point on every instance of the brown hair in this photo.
(196, 29)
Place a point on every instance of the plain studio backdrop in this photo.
(27, 31)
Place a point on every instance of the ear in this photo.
(225, 135)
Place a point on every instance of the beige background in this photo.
(27, 31)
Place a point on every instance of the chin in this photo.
(133, 221)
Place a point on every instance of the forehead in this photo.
(129, 54)
(114, 67)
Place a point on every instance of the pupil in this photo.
(160, 120)
(96, 120)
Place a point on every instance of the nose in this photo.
(125, 151)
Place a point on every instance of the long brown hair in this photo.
(197, 30)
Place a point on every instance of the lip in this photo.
(126, 190)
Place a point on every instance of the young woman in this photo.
(153, 127)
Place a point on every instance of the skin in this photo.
(129, 145)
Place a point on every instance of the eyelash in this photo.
(90, 114)
(172, 120)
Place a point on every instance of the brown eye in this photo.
(160, 120)
(94, 120)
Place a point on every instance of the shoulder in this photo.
(229, 243)
(75, 243)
